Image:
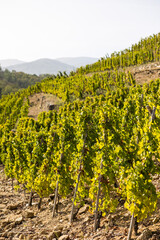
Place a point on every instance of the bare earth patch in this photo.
(146, 72)
(40, 102)
(142, 73)
(18, 221)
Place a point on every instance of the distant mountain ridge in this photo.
(41, 66)
(78, 61)
(47, 66)
(9, 62)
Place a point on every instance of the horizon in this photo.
(6, 59)
(59, 29)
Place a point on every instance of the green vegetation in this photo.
(105, 137)
(14, 81)
(147, 50)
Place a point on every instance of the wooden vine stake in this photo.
(131, 227)
(12, 185)
(96, 217)
(24, 190)
(78, 179)
(152, 113)
(153, 116)
(74, 197)
(56, 190)
(55, 199)
(30, 198)
(39, 203)
(97, 200)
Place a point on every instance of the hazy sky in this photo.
(32, 29)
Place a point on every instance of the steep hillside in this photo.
(142, 73)
(147, 50)
(93, 158)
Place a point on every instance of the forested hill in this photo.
(97, 141)
(14, 81)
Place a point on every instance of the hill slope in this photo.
(93, 157)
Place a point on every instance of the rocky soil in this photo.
(19, 221)
(145, 72)
(40, 102)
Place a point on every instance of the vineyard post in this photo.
(12, 184)
(97, 200)
(24, 190)
(131, 227)
(55, 199)
(39, 203)
(133, 219)
(74, 197)
(78, 178)
(152, 113)
(56, 190)
(153, 116)
(30, 198)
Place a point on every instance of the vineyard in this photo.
(99, 144)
